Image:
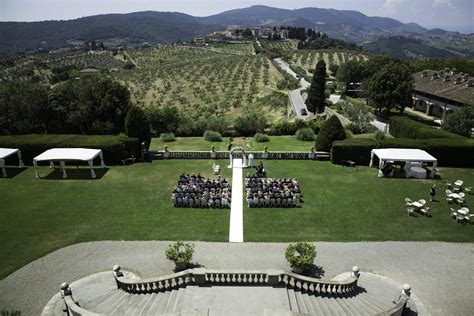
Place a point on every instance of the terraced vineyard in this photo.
(309, 58)
(221, 80)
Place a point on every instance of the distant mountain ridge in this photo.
(165, 27)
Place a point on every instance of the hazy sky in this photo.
(446, 13)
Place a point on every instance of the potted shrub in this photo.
(181, 253)
(300, 256)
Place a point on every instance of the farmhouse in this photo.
(436, 93)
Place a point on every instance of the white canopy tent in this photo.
(69, 154)
(407, 155)
(4, 153)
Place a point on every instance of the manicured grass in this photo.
(133, 202)
(276, 143)
(353, 204)
(189, 143)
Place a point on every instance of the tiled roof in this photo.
(446, 84)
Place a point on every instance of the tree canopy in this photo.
(391, 87)
(316, 100)
(461, 121)
(90, 105)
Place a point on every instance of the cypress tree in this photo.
(316, 95)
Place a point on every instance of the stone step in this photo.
(136, 301)
(157, 305)
(187, 301)
(171, 300)
(308, 303)
(348, 308)
(146, 304)
(106, 301)
(121, 304)
(300, 301)
(292, 300)
(366, 304)
(333, 306)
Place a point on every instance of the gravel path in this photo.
(441, 274)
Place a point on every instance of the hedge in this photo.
(114, 148)
(405, 127)
(449, 152)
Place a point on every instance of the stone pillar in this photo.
(406, 290)
(199, 276)
(429, 106)
(273, 277)
(355, 272)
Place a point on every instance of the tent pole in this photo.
(20, 162)
(102, 164)
(63, 164)
(2, 165)
(35, 164)
(371, 158)
(433, 171)
(91, 166)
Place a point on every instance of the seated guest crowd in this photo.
(268, 192)
(197, 191)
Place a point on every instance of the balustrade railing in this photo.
(234, 277)
(277, 155)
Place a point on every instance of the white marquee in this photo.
(6, 152)
(69, 154)
(403, 154)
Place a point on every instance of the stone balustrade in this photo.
(203, 277)
(276, 155)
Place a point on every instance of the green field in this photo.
(309, 58)
(133, 203)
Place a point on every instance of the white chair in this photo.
(424, 210)
(462, 195)
(459, 218)
(408, 201)
(449, 199)
(422, 202)
(448, 184)
(410, 210)
(448, 192)
(468, 190)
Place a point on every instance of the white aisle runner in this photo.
(236, 227)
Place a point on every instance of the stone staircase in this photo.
(223, 294)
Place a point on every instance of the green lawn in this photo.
(132, 202)
(276, 143)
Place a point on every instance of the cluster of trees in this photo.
(388, 82)
(91, 105)
(247, 32)
(325, 42)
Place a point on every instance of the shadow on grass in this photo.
(12, 172)
(76, 174)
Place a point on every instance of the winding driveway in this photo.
(296, 99)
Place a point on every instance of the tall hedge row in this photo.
(114, 148)
(449, 152)
(405, 127)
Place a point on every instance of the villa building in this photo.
(436, 93)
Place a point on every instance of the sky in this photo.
(449, 14)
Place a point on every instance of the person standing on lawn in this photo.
(432, 192)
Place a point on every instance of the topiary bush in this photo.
(305, 134)
(300, 255)
(331, 130)
(261, 138)
(167, 137)
(181, 253)
(212, 136)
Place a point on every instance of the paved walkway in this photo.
(236, 226)
(441, 274)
